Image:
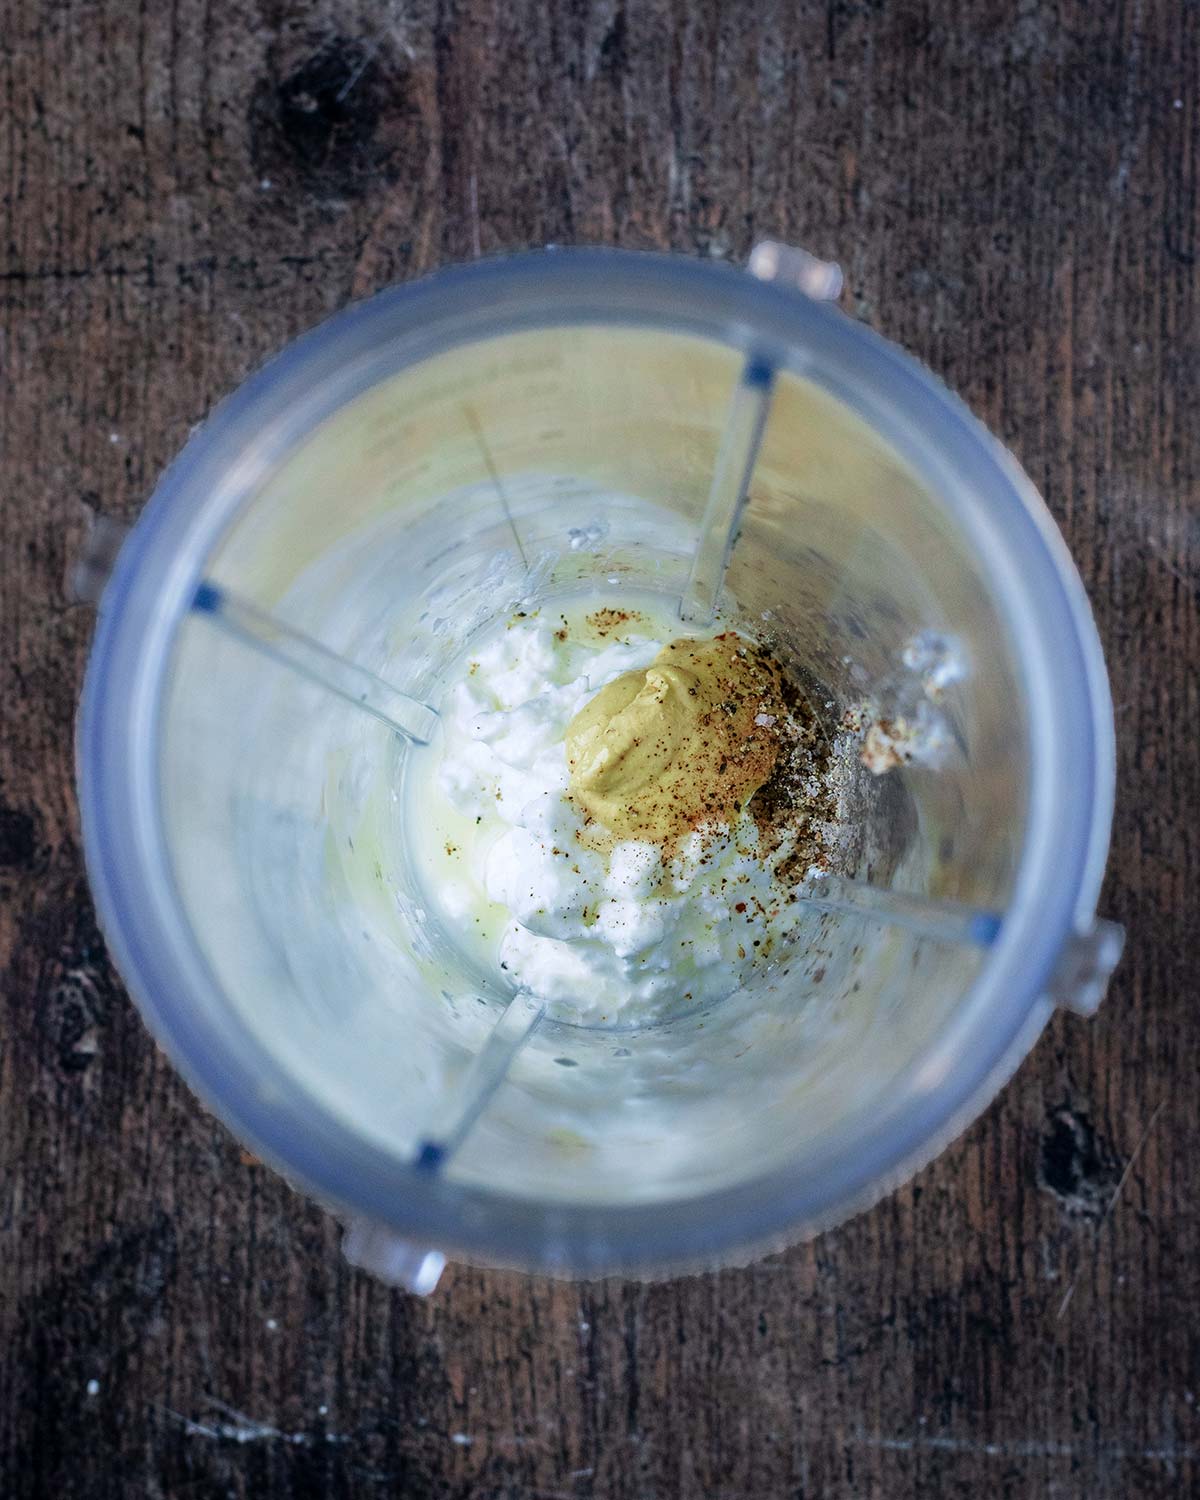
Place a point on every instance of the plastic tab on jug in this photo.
(373, 1248)
(1085, 967)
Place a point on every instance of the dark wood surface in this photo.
(1012, 192)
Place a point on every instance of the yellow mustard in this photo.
(685, 742)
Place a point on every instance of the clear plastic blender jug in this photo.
(500, 437)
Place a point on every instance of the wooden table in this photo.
(1012, 191)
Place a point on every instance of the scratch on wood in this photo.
(1112, 1203)
(1169, 1453)
(473, 192)
(239, 1428)
(1128, 151)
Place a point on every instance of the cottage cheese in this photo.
(616, 936)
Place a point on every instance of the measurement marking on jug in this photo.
(729, 491)
(487, 1071)
(493, 473)
(286, 646)
(924, 916)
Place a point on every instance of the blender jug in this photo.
(495, 440)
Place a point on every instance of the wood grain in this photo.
(1012, 192)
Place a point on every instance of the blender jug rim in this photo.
(1002, 518)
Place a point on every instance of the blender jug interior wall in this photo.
(506, 474)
